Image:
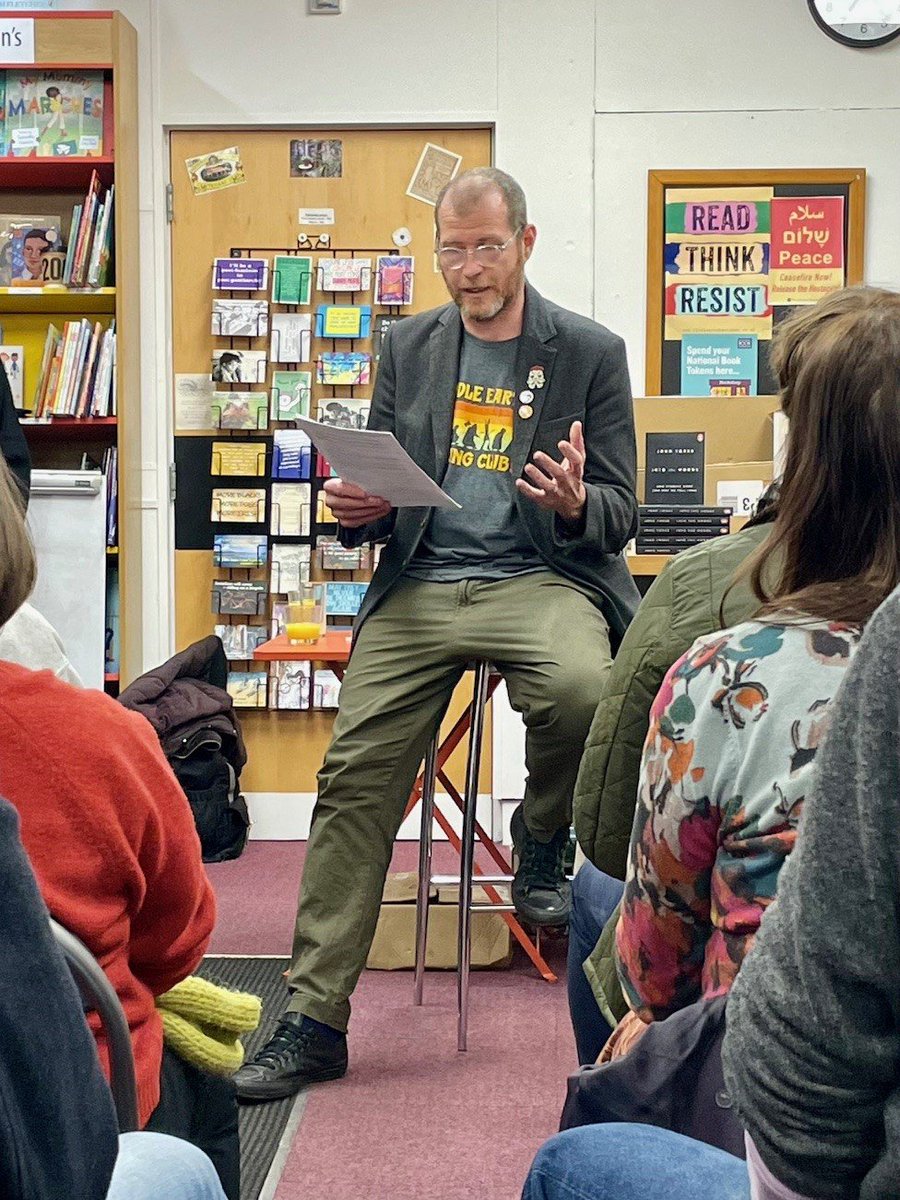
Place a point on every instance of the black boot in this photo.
(292, 1058)
(540, 890)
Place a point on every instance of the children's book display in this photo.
(51, 114)
(271, 315)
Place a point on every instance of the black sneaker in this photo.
(540, 890)
(291, 1059)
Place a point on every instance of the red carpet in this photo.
(413, 1119)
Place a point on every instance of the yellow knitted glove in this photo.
(201, 1021)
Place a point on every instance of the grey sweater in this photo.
(812, 1054)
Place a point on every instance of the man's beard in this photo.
(502, 302)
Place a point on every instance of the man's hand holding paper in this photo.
(352, 505)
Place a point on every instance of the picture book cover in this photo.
(237, 550)
(290, 509)
(248, 688)
(54, 114)
(30, 248)
(238, 458)
(291, 455)
(343, 321)
(343, 368)
(290, 394)
(346, 412)
(394, 275)
(13, 361)
(240, 410)
(240, 274)
(345, 274)
(239, 597)
(291, 334)
(343, 599)
(290, 567)
(238, 505)
(289, 685)
(240, 318)
(292, 278)
(239, 366)
(11, 224)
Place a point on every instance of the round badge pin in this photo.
(526, 397)
(525, 411)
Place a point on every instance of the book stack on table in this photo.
(669, 528)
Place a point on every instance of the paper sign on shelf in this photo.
(16, 39)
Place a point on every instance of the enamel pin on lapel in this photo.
(526, 397)
(536, 377)
(525, 411)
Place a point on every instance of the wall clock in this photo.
(859, 23)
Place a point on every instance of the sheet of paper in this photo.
(193, 402)
(377, 462)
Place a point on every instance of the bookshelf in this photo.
(98, 42)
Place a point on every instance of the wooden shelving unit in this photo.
(102, 41)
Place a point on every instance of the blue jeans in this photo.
(594, 898)
(633, 1162)
(152, 1165)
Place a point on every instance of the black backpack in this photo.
(211, 786)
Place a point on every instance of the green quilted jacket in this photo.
(682, 604)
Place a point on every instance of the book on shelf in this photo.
(53, 113)
(13, 360)
(77, 377)
(111, 478)
(31, 236)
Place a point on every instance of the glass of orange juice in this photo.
(306, 614)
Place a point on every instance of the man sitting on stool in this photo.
(527, 574)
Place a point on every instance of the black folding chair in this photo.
(97, 993)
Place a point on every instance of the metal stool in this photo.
(467, 858)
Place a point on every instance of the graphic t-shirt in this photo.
(486, 537)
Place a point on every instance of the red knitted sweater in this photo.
(112, 842)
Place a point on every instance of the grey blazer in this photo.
(585, 378)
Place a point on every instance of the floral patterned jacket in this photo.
(726, 766)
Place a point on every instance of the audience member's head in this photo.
(836, 535)
(17, 562)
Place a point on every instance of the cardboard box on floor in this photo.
(738, 432)
(394, 945)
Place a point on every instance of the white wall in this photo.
(675, 85)
(744, 85)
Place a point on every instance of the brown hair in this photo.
(469, 188)
(834, 549)
(17, 562)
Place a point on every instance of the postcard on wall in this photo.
(240, 410)
(343, 321)
(719, 364)
(239, 641)
(290, 394)
(343, 599)
(193, 402)
(291, 455)
(240, 274)
(238, 458)
(394, 275)
(314, 158)
(382, 324)
(345, 412)
(248, 688)
(240, 318)
(239, 597)
(237, 550)
(290, 567)
(434, 170)
(335, 557)
(292, 278)
(343, 369)
(246, 506)
(344, 274)
(289, 685)
(324, 515)
(807, 260)
(291, 337)
(290, 509)
(13, 360)
(214, 171)
(674, 468)
(239, 366)
(326, 690)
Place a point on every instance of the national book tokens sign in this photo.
(718, 364)
(807, 252)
